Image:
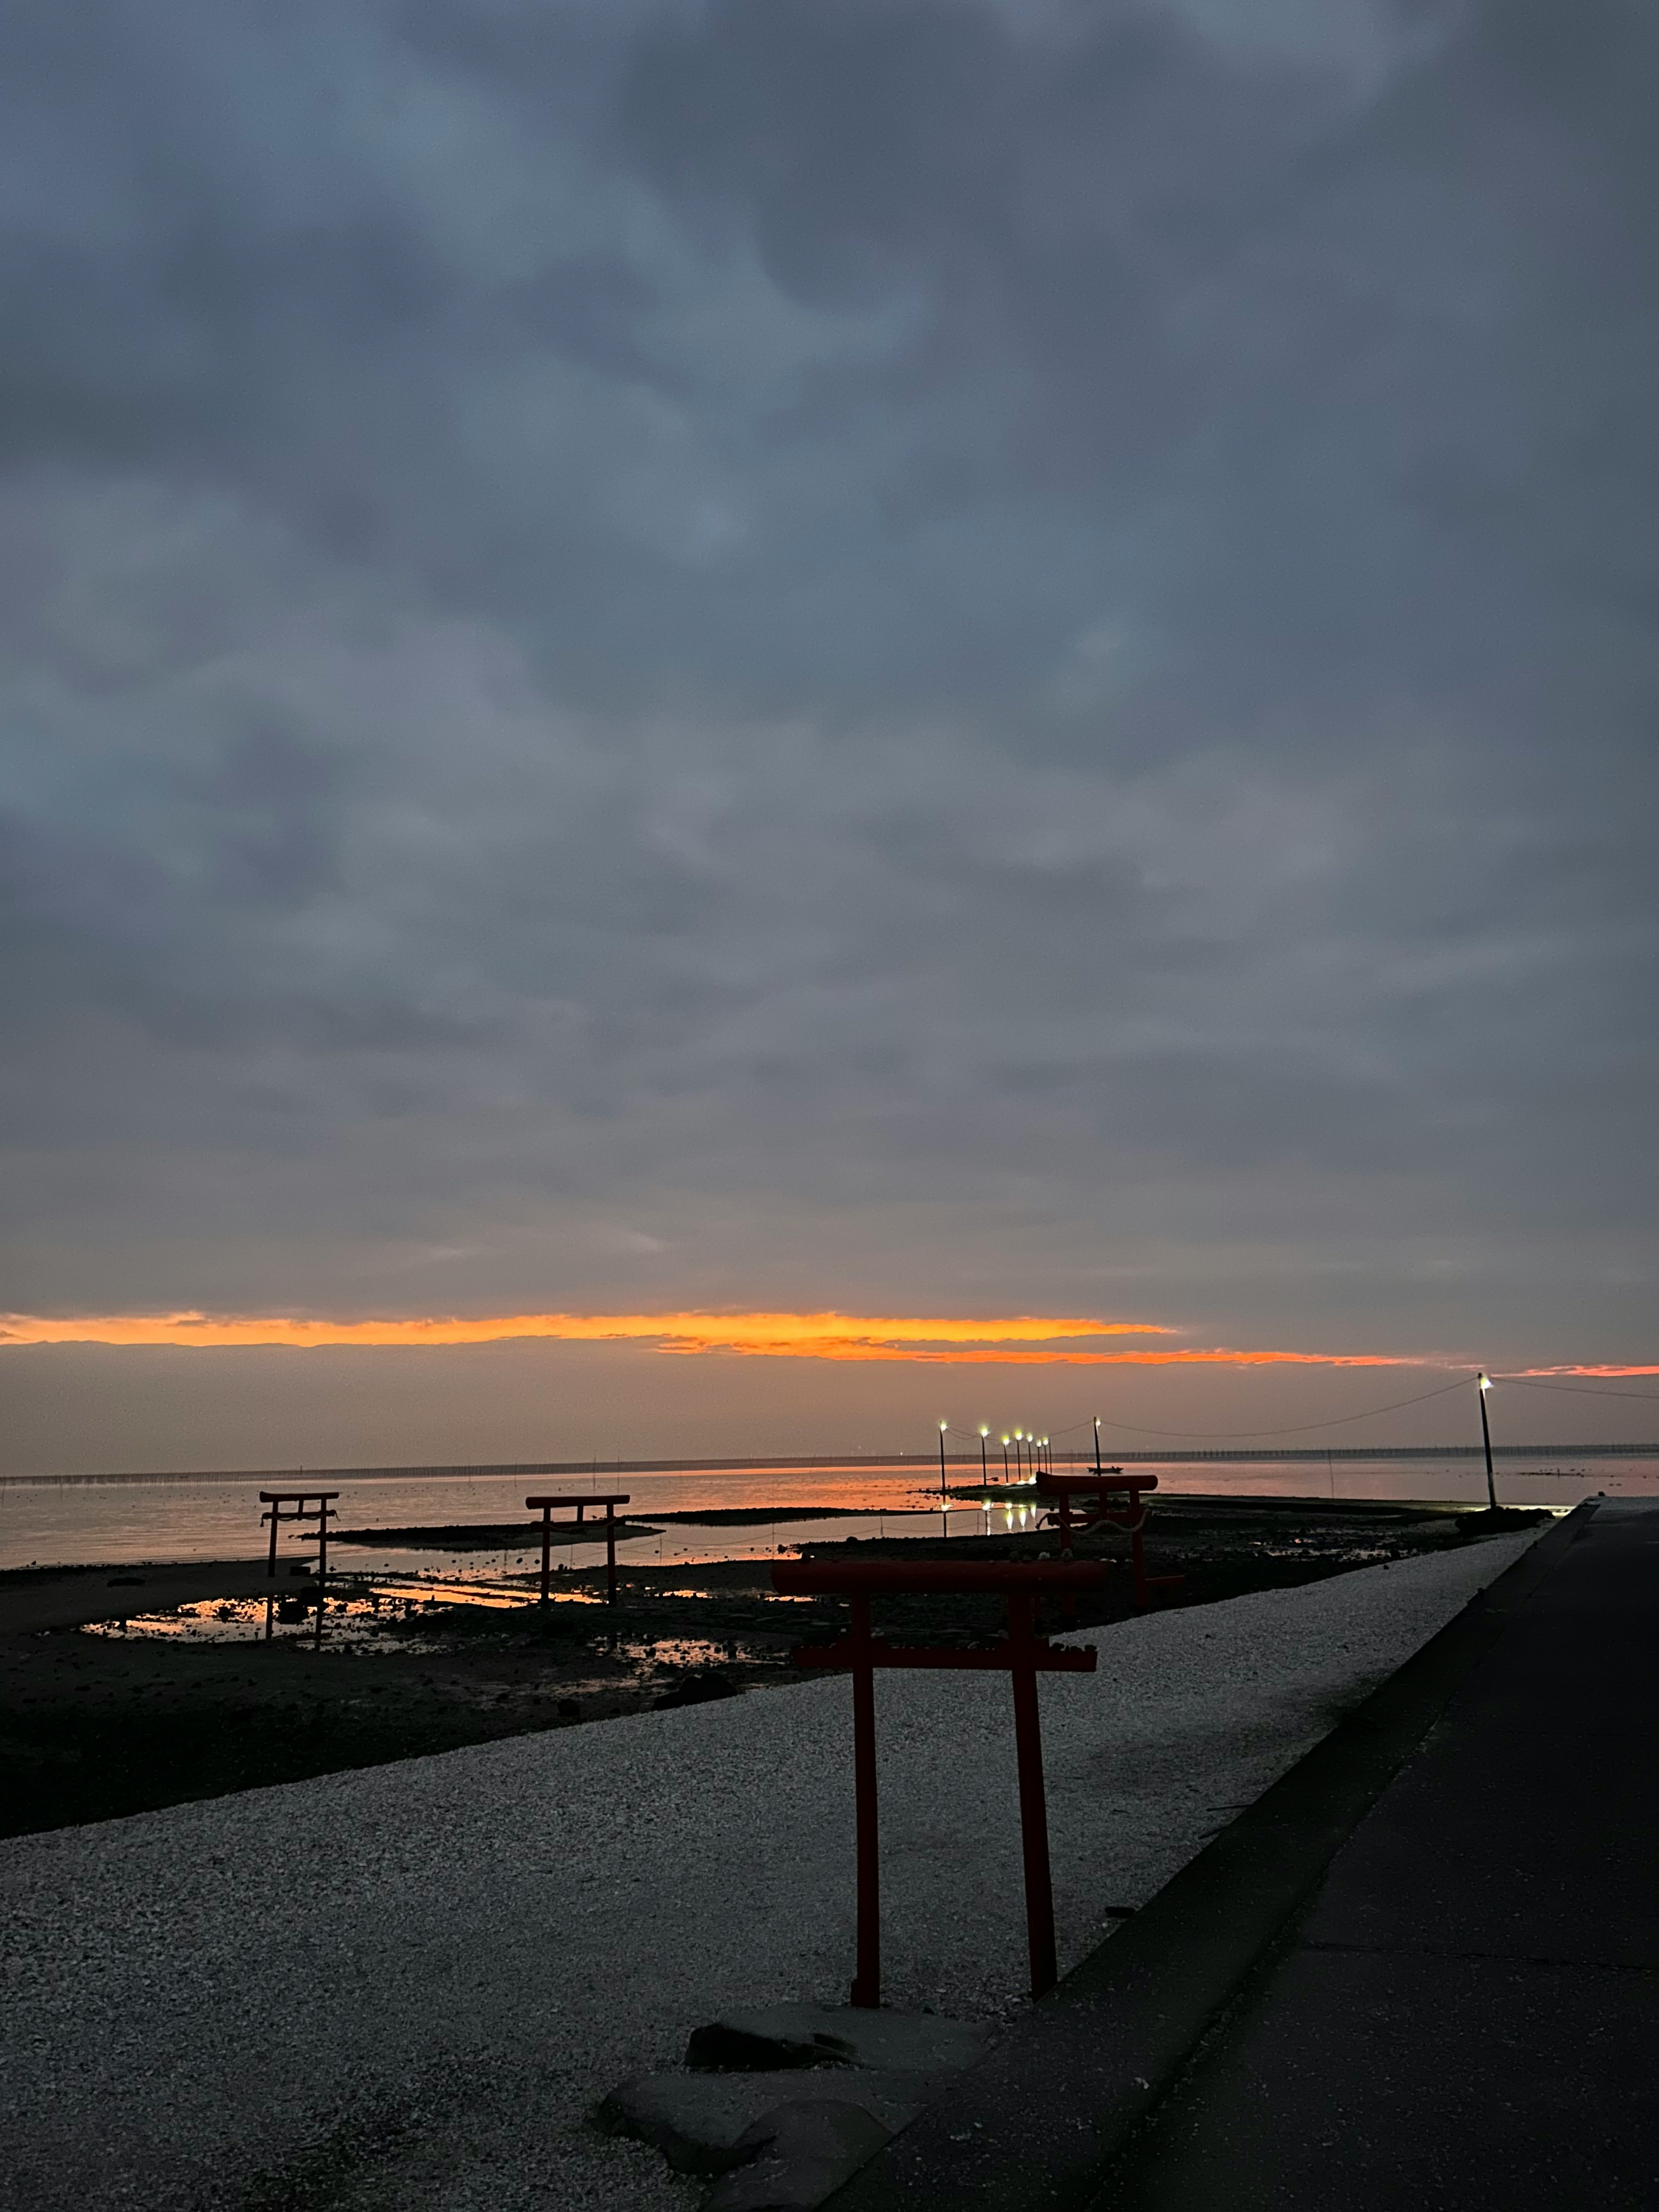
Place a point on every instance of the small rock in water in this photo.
(836, 2035)
(796, 2155)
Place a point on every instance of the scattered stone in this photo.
(701, 2122)
(834, 2035)
(797, 2154)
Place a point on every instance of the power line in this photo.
(1301, 1428)
(1343, 1420)
(1579, 1390)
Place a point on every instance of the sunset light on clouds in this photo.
(651, 711)
(1023, 1339)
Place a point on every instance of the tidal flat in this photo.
(126, 1689)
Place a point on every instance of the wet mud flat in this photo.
(99, 1719)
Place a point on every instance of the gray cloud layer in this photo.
(815, 650)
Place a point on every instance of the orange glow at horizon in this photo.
(1023, 1340)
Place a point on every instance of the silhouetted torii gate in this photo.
(546, 1507)
(301, 1509)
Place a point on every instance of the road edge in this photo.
(1036, 2123)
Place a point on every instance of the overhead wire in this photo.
(1299, 1428)
(1579, 1390)
(1339, 1420)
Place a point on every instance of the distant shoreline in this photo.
(891, 1463)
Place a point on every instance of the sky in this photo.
(923, 660)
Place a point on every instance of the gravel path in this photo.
(406, 1986)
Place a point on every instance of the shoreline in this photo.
(98, 1721)
(508, 1932)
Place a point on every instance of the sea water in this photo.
(128, 1519)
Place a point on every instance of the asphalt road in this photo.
(1467, 2015)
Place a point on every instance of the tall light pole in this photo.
(943, 1495)
(1020, 1456)
(1005, 1459)
(1098, 1467)
(984, 1473)
(1483, 1383)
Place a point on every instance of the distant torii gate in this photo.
(1105, 1497)
(1022, 1653)
(545, 1506)
(301, 1509)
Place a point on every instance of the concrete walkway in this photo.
(1423, 1972)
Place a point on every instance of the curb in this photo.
(1034, 2126)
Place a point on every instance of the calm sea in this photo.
(49, 1521)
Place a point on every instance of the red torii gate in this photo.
(610, 1502)
(1118, 1501)
(1022, 1654)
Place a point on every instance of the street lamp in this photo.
(984, 1474)
(1098, 1467)
(1019, 1456)
(1005, 1459)
(943, 1494)
(1483, 1383)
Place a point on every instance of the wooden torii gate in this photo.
(546, 1507)
(1022, 1654)
(301, 1509)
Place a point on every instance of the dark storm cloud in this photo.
(625, 622)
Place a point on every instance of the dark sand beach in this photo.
(97, 1725)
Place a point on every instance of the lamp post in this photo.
(1483, 1383)
(1020, 1456)
(1097, 1443)
(984, 1473)
(943, 1494)
(1005, 1459)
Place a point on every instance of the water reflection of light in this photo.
(358, 1616)
(686, 1652)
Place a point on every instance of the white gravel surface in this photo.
(406, 1985)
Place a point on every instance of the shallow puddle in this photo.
(688, 1651)
(360, 1620)
(389, 1618)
